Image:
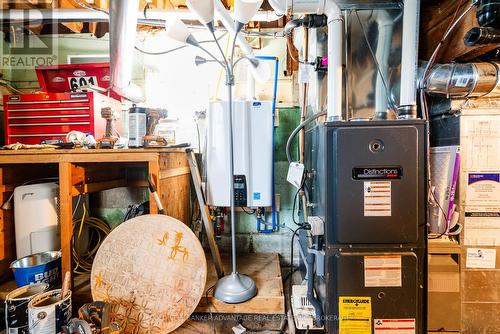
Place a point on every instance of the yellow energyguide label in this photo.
(355, 315)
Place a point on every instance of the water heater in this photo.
(253, 153)
(36, 218)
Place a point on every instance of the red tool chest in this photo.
(70, 77)
(31, 118)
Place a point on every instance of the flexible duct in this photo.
(481, 36)
(465, 80)
(122, 35)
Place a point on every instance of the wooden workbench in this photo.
(86, 171)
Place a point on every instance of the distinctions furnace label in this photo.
(394, 326)
(355, 315)
(377, 199)
(383, 270)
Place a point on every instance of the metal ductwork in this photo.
(122, 36)
(465, 80)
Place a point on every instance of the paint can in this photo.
(16, 307)
(47, 313)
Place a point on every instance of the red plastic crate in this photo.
(31, 118)
(70, 77)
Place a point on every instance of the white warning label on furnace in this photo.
(378, 198)
(394, 326)
(383, 270)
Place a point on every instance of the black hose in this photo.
(297, 129)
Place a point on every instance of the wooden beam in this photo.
(167, 173)
(66, 212)
(97, 186)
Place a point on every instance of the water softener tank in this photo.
(36, 218)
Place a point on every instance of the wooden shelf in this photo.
(85, 171)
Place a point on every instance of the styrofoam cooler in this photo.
(36, 218)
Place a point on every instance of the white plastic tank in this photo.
(36, 218)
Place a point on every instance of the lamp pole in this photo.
(235, 287)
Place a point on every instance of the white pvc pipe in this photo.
(408, 93)
(88, 15)
(335, 59)
(335, 45)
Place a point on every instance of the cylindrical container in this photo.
(36, 268)
(16, 307)
(48, 313)
(136, 126)
(35, 217)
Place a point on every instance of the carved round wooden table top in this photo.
(152, 269)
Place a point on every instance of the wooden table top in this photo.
(83, 155)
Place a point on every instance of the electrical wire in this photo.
(98, 230)
(444, 215)
(304, 227)
(159, 53)
(296, 131)
(247, 212)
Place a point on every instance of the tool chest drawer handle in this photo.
(45, 124)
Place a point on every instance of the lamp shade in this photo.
(203, 9)
(177, 30)
(245, 9)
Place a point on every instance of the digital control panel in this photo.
(240, 190)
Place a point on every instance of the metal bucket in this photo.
(47, 313)
(16, 307)
(36, 268)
